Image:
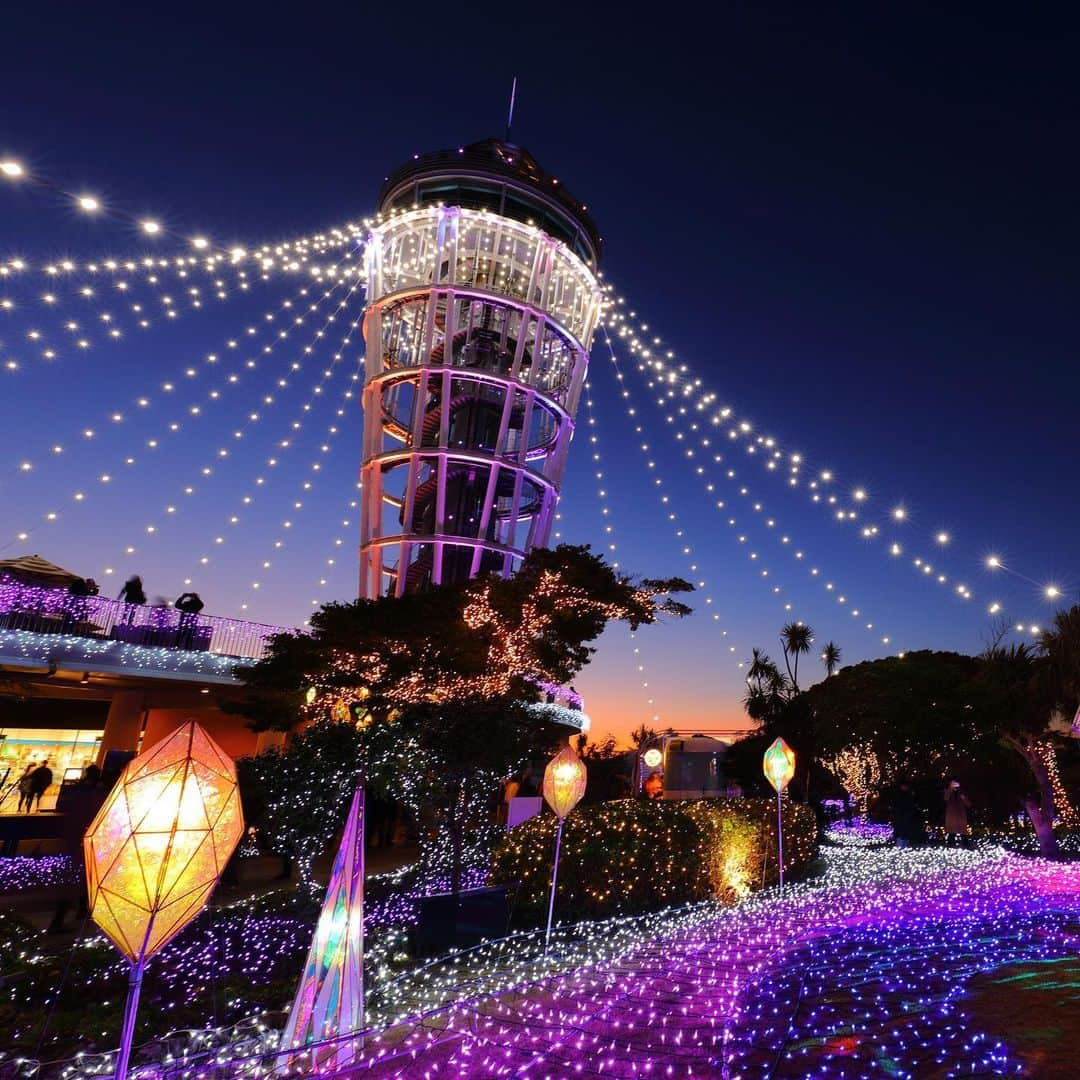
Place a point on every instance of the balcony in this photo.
(38, 610)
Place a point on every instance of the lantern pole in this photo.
(554, 878)
(780, 836)
(130, 1010)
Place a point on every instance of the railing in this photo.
(43, 610)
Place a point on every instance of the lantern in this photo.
(564, 781)
(564, 785)
(653, 757)
(779, 765)
(157, 847)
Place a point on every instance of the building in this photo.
(482, 301)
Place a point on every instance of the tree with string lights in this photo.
(443, 678)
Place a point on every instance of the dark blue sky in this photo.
(858, 228)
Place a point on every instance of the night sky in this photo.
(859, 230)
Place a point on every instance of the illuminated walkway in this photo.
(863, 974)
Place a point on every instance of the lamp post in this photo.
(779, 767)
(564, 785)
(156, 850)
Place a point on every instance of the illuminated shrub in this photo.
(634, 855)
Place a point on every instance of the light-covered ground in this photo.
(863, 972)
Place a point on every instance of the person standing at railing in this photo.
(75, 607)
(132, 594)
(189, 605)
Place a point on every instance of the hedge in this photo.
(630, 856)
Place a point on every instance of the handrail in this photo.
(43, 610)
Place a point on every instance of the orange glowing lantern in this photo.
(157, 848)
(564, 786)
(564, 781)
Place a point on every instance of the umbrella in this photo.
(34, 570)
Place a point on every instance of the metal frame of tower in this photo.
(478, 328)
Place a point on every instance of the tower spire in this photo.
(510, 112)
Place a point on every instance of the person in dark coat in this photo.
(40, 782)
(907, 821)
(81, 805)
(132, 594)
(957, 805)
(26, 788)
(133, 591)
(189, 605)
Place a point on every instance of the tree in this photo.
(296, 796)
(795, 639)
(444, 677)
(1061, 647)
(830, 657)
(643, 734)
(768, 691)
(487, 638)
(1017, 702)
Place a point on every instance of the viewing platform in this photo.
(39, 625)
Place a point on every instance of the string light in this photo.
(129, 276)
(210, 361)
(231, 379)
(709, 452)
(254, 417)
(765, 448)
(609, 530)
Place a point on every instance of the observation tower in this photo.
(482, 302)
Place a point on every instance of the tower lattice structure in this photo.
(482, 302)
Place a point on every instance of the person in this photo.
(957, 805)
(189, 605)
(75, 608)
(527, 784)
(81, 805)
(40, 782)
(509, 792)
(26, 788)
(132, 594)
(907, 826)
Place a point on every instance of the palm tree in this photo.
(830, 656)
(795, 639)
(767, 689)
(1061, 647)
(1020, 703)
(643, 734)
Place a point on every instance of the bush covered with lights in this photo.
(635, 855)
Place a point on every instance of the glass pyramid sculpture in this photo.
(329, 1002)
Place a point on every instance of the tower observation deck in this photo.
(482, 302)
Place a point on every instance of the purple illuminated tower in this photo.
(482, 301)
